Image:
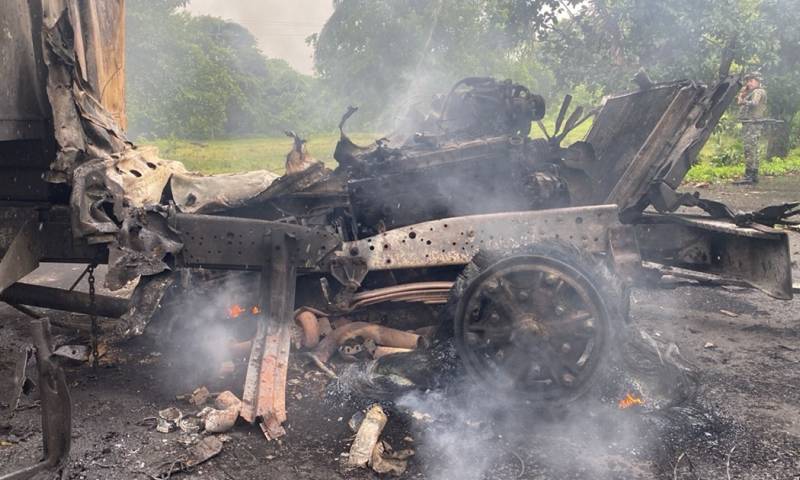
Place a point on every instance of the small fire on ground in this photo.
(630, 401)
(236, 311)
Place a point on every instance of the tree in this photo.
(606, 41)
(782, 71)
(385, 54)
(203, 77)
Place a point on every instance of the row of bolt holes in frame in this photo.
(471, 233)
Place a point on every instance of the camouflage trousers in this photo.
(751, 138)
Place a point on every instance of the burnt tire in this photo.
(553, 326)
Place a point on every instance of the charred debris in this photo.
(457, 240)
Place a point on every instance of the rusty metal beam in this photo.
(264, 398)
(454, 241)
(58, 299)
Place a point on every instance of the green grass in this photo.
(722, 159)
(269, 153)
(705, 171)
(575, 135)
(244, 154)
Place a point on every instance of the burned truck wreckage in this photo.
(460, 227)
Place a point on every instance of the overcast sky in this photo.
(281, 26)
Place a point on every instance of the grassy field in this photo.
(242, 154)
(269, 153)
(720, 160)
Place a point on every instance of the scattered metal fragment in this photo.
(73, 352)
(226, 400)
(170, 414)
(164, 426)
(367, 436)
(218, 421)
(199, 396)
(188, 396)
(224, 416)
(381, 351)
(190, 424)
(355, 421)
(310, 325)
(196, 454)
(384, 460)
(56, 407)
(389, 337)
(728, 313)
(20, 383)
(168, 419)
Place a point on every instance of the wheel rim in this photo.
(532, 324)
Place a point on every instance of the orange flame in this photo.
(630, 401)
(235, 311)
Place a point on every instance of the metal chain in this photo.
(93, 314)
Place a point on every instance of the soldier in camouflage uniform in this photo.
(752, 102)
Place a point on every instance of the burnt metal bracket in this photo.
(350, 272)
(625, 252)
(212, 241)
(756, 257)
(46, 238)
(56, 407)
(22, 256)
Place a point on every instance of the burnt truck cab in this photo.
(511, 245)
(638, 150)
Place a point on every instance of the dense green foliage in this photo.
(382, 47)
(387, 54)
(711, 172)
(203, 77)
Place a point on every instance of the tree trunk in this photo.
(779, 140)
(728, 56)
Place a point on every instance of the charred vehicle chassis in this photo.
(523, 249)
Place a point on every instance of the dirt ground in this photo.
(743, 424)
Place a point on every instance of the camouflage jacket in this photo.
(754, 105)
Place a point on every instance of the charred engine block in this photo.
(474, 157)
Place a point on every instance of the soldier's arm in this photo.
(741, 97)
(756, 98)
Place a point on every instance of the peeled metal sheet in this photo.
(209, 194)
